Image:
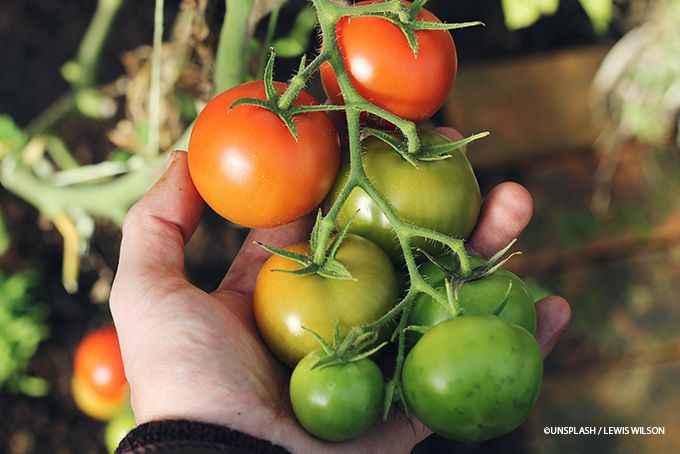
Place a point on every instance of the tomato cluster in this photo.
(324, 307)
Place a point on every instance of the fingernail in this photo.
(171, 159)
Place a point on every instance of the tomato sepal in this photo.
(321, 258)
(350, 349)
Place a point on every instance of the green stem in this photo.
(231, 63)
(390, 5)
(51, 115)
(155, 85)
(299, 81)
(269, 37)
(95, 37)
(119, 194)
(85, 65)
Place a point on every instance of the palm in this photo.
(193, 355)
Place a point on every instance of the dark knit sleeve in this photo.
(191, 437)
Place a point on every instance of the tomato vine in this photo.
(404, 16)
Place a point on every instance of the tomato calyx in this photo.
(355, 346)
(282, 104)
(321, 258)
(404, 16)
(449, 264)
(424, 152)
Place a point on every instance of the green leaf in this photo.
(22, 327)
(523, 13)
(599, 12)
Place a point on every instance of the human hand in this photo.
(194, 355)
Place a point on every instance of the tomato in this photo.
(439, 195)
(117, 428)
(337, 402)
(383, 69)
(93, 404)
(99, 365)
(473, 377)
(284, 303)
(481, 296)
(248, 167)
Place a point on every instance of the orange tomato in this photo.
(98, 364)
(249, 168)
(94, 404)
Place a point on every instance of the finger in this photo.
(243, 271)
(156, 229)
(553, 314)
(505, 213)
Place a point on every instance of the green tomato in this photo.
(338, 402)
(118, 427)
(473, 377)
(283, 303)
(481, 296)
(439, 195)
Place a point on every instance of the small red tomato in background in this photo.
(95, 405)
(249, 168)
(99, 385)
(383, 69)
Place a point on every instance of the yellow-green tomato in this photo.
(338, 402)
(481, 296)
(473, 377)
(283, 303)
(118, 427)
(439, 195)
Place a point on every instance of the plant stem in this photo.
(299, 81)
(85, 64)
(95, 37)
(51, 115)
(155, 85)
(271, 28)
(231, 61)
(390, 5)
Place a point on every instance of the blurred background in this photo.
(582, 99)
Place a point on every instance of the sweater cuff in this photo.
(192, 437)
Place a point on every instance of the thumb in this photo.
(154, 234)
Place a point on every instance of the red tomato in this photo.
(250, 169)
(95, 405)
(98, 364)
(384, 70)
